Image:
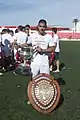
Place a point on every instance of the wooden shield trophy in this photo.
(44, 93)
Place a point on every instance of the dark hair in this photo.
(27, 25)
(42, 21)
(23, 27)
(20, 27)
(16, 31)
(54, 30)
(4, 30)
(11, 31)
(8, 30)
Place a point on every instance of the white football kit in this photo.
(40, 62)
(21, 38)
(56, 41)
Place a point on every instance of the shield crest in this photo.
(44, 93)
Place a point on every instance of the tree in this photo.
(75, 21)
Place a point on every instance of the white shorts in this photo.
(36, 69)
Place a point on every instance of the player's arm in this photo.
(23, 45)
(51, 46)
(49, 49)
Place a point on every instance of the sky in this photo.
(56, 12)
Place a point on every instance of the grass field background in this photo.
(13, 90)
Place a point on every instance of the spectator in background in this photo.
(27, 31)
(6, 39)
(11, 45)
(0, 55)
(57, 48)
(19, 40)
(20, 37)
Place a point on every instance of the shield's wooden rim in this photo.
(31, 99)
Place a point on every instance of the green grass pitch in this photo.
(13, 90)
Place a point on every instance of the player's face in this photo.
(41, 28)
(27, 30)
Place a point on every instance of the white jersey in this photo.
(21, 37)
(56, 42)
(0, 46)
(0, 37)
(43, 42)
(0, 42)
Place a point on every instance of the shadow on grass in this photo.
(60, 102)
(60, 81)
(61, 66)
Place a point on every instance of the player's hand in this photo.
(38, 49)
(16, 47)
